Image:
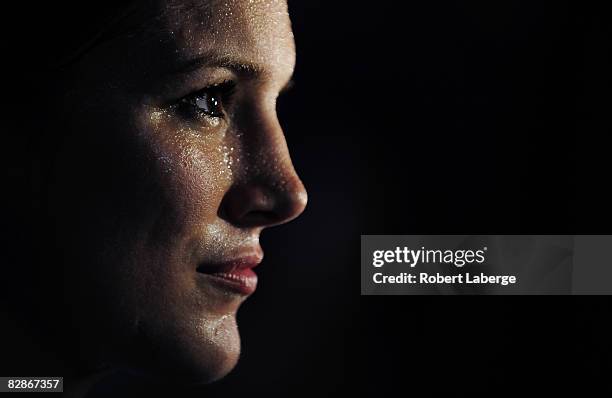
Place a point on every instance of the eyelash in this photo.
(217, 95)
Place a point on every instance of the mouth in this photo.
(236, 275)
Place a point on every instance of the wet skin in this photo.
(172, 163)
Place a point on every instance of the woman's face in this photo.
(172, 163)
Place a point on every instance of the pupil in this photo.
(213, 101)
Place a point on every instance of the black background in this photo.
(433, 117)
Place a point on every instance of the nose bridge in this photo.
(267, 190)
(267, 157)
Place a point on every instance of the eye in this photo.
(210, 101)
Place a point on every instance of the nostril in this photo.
(256, 205)
(257, 218)
(247, 205)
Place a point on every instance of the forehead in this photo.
(257, 30)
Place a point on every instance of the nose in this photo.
(268, 190)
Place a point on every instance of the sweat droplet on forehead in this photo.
(258, 30)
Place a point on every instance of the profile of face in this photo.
(172, 163)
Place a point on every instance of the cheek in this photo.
(194, 169)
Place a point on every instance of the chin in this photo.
(204, 351)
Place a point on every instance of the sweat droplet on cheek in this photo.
(194, 161)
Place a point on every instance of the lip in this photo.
(236, 275)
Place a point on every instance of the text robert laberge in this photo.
(456, 258)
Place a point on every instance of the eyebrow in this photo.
(242, 68)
